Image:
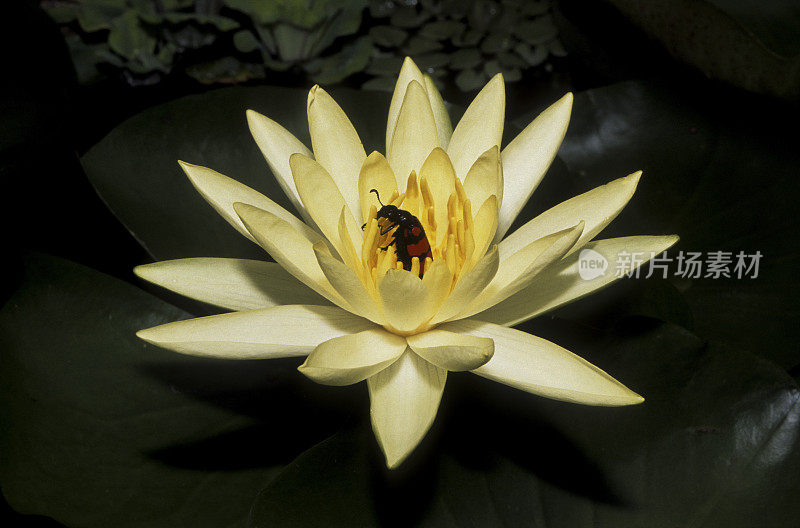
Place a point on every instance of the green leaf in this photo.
(129, 38)
(351, 59)
(343, 19)
(85, 58)
(101, 429)
(511, 60)
(495, 43)
(493, 67)
(719, 172)
(245, 41)
(469, 38)
(389, 66)
(135, 167)
(468, 80)
(61, 14)
(388, 36)
(417, 45)
(408, 17)
(94, 15)
(465, 58)
(226, 70)
(432, 62)
(534, 56)
(383, 84)
(291, 42)
(714, 444)
(536, 31)
(751, 44)
(776, 24)
(442, 29)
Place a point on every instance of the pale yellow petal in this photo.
(414, 135)
(527, 157)
(451, 351)
(438, 172)
(562, 283)
(485, 224)
(352, 358)
(517, 271)
(485, 178)
(404, 399)
(409, 72)
(235, 284)
(444, 128)
(438, 279)
(289, 248)
(349, 286)
(222, 192)
(597, 208)
(406, 300)
(277, 145)
(480, 128)
(336, 145)
(280, 331)
(323, 201)
(375, 174)
(468, 287)
(535, 365)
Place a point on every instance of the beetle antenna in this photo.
(378, 195)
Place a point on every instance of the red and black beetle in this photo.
(409, 239)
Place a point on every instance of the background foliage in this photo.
(99, 429)
(234, 41)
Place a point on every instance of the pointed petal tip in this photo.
(394, 461)
(312, 95)
(394, 454)
(140, 271)
(188, 168)
(296, 159)
(242, 209)
(408, 62)
(145, 334)
(253, 117)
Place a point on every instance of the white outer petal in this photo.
(281, 331)
(527, 157)
(404, 399)
(235, 284)
(538, 366)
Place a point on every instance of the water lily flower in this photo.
(348, 300)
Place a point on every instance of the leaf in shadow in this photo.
(720, 172)
(714, 444)
(135, 170)
(93, 417)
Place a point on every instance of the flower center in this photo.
(412, 239)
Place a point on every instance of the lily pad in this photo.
(715, 444)
(719, 172)
(102, 430)
(748, 43)
(135, 169)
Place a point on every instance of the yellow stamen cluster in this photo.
(453, 243)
